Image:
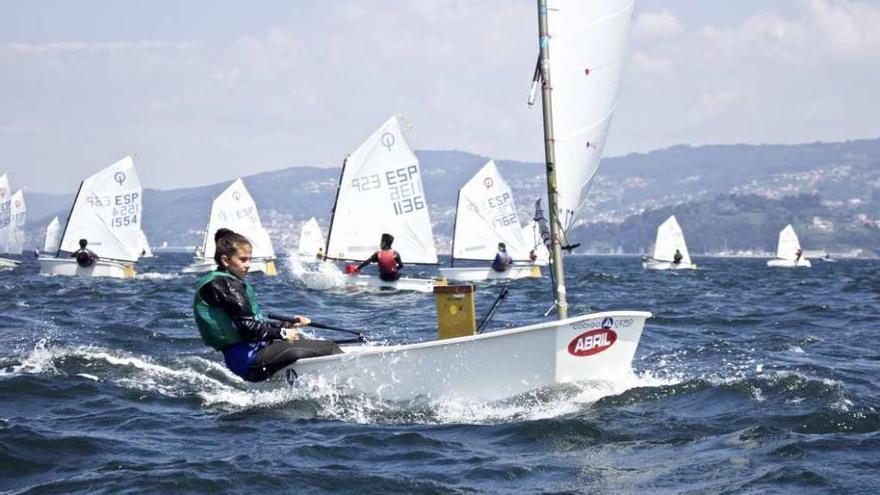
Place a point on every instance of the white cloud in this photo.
(656, 25)
(651, 66)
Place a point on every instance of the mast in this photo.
(333, 212)
(67, 223)
(454, 225)
(550, 159)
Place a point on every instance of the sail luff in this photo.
(550, 161)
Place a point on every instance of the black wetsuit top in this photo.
(263, 352)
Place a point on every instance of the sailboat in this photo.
(107, 213)
(788, 251)
(52, 241)
(380, 191)
(311, 241)
(12, 217)
(235, 209)
(144, 250)
(588, 40)
(485, 215)
(670, 239)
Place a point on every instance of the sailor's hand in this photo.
(290, 334)
(299, 321)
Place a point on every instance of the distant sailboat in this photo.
(486, 214)
(107, 213)
(311, 241)
(380, 191)
(144, 250)
(52, 241)
(788, 251)
(670, 239)
(12, 218)
(235, 209)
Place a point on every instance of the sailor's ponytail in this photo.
(226, 242)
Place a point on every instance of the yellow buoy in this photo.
(455, 311)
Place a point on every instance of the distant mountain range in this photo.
(727, 198)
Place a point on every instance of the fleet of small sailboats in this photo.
(670, 250)
(381, 192)
(235, 209)
(486, 215)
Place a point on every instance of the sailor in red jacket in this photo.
(388, 260)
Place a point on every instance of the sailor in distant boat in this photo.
(388, 260)
(229, 318)
(84, 256)
(502, 260)
(320, 255)
(797, 255)
(677, 257)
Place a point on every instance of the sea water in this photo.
(747, 380)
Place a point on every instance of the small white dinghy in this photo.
(670, 238)
(106, 212)
(380, 191)
(12, 218)
(235, 209)
(506, 363)
(311, 242)
(484, 367)
(485, 215)
(788, 251)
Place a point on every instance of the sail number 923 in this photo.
(404, 190)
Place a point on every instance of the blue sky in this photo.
(205, 91)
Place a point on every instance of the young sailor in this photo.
(229, 318)
(388, 260)
(502, 260)
(84, 257)
(677, 257)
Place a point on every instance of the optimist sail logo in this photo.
(592, 342)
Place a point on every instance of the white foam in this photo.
(157, 276)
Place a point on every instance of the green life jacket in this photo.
(215, 326)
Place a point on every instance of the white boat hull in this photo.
(100, 268)
(667, 265)
(781, 263)
(201, 265)
(484, 367)
(403, 283)
(6, 263)
(477, 273)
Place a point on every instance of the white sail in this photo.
(5, 209)
(311, 240)
(144, 250)
(235, 209)
(788, 244)
(53, 237)
(107, 213)
(13, 234)
(588, 41)
(669, 238)
(381, 191)
(486, 215)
